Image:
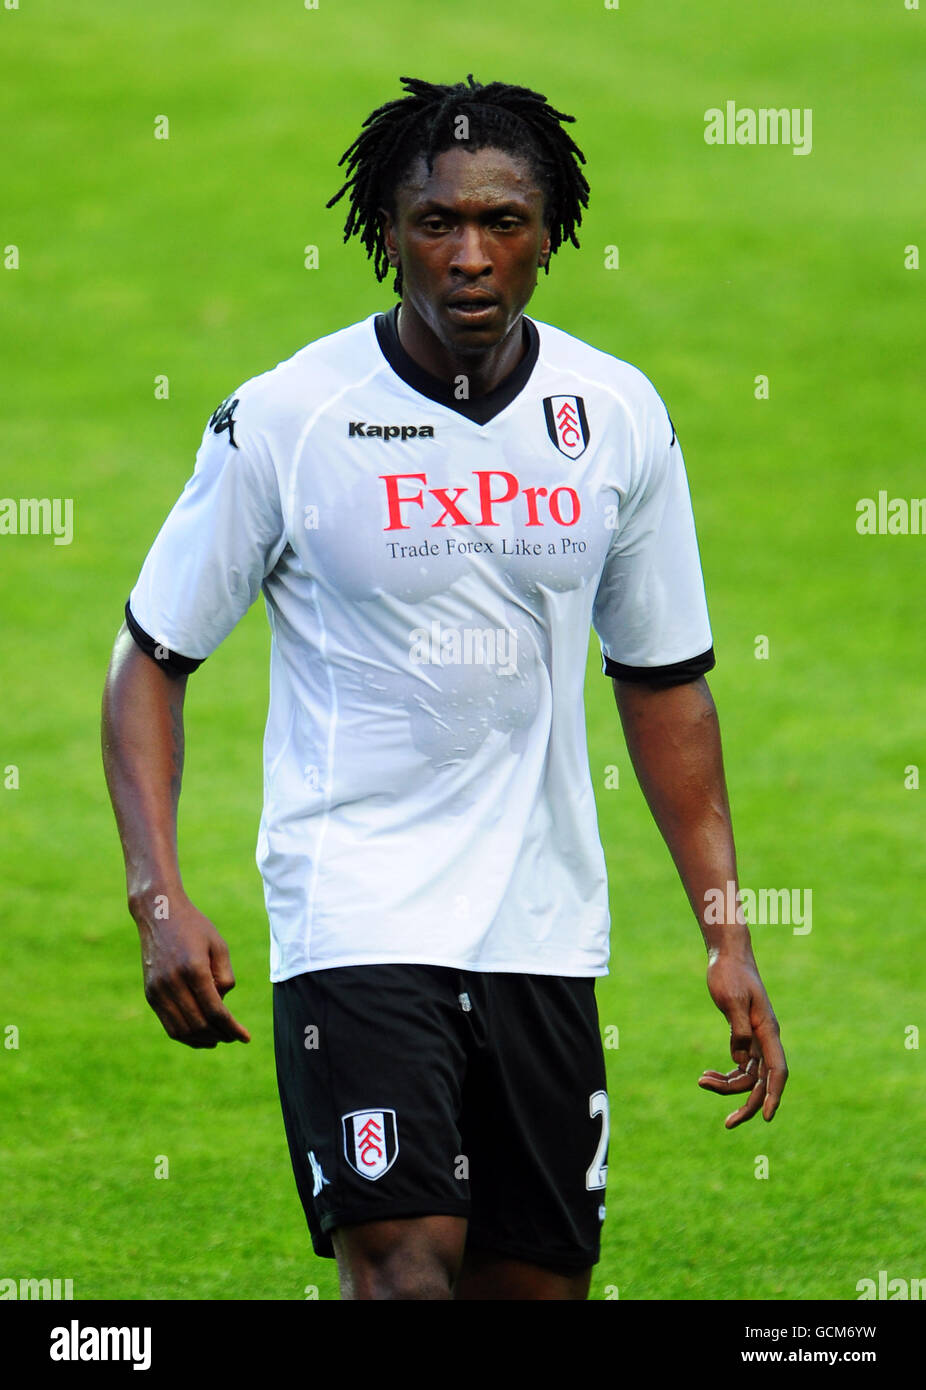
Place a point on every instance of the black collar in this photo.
(481, 409)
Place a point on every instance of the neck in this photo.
(483, 369)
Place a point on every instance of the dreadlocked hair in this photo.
(424, 123)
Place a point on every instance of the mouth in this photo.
(472, 308)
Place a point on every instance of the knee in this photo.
(396, 1261)
(402, 1277)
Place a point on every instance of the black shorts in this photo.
(418, 1090)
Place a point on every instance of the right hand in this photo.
(187, 971)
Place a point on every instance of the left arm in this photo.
(673, 737)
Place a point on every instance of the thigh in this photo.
(535, 1122)
(370, 1063)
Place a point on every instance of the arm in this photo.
(186, 963)
(673, 737)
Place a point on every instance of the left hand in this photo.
(755, 1044)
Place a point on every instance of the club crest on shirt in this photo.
(223, 418)
(567, 425)
(371, 1141)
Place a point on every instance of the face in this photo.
(469, 238)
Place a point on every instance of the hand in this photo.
(187, 971)
(755, 1045)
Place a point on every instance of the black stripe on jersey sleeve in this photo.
(661, 677)
(172, 663)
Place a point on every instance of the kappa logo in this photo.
(318, 1178)
(223, 418)
(371, 1141)
(359, 429)
(567, 424)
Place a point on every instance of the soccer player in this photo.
(437, 503)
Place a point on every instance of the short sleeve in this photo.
(650, 610)
(221, 539)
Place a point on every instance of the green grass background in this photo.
(141, 256)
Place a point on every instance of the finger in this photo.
(195, 1030)
(160, 998)
(777, 1078)
(746, 1112)
(175, 1020)
(729, 1075)
(222, 972)
(744, 1082)
(215, 1017)
(732, 1082)
(192, 1012)
(740, 1037)
(199, 1040)
(773, 1063)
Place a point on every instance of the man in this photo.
(437, 502)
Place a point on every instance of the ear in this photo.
(392, 250)
(544, 255)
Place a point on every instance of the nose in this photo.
(470, 257)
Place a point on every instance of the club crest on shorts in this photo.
(371, 1141)
(567, 425)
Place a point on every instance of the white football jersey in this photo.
(431, 567)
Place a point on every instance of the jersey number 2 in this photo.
(597, 1175)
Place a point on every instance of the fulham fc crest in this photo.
(566, 424)
(371, 1141)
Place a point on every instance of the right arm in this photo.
(186, 964)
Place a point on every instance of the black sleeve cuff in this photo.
(172, 663)
(661, 677)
